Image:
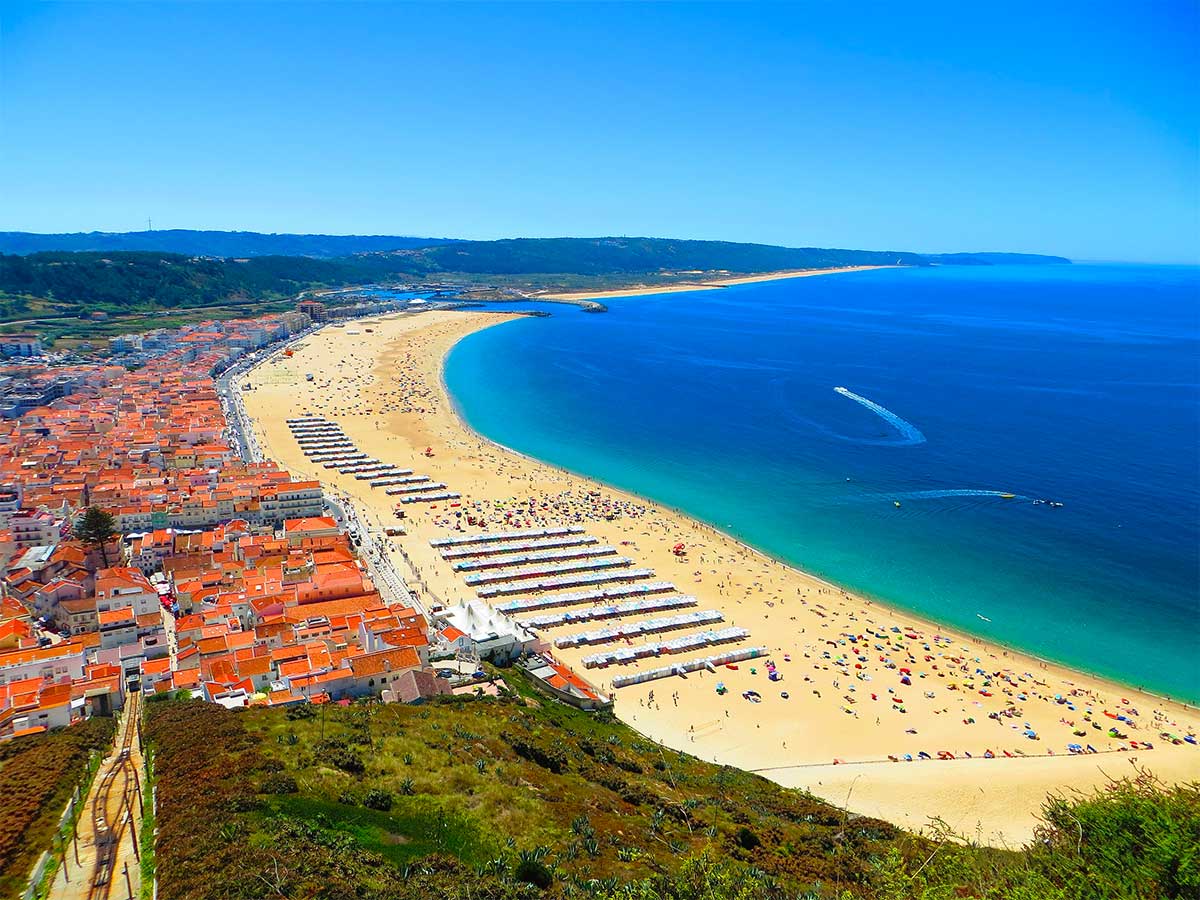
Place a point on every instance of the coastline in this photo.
(1004, 797)
(710, 284)
(1112, 684)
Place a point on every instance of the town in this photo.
(212, 572)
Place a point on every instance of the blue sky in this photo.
(1057, 128)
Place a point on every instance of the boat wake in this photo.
(954, 492)
(965, 494)
(909, 433)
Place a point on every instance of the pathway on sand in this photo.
(103, 861)
(864, 682)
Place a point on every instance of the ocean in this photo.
(865, 427)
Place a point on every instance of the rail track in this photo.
(115, 807)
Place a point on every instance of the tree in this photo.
(96, 528)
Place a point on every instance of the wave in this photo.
(909, 432)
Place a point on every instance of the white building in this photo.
(493, 635)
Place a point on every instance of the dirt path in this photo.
(103, 863)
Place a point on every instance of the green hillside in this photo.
(520, 797)
(599, 256)
(60, 283)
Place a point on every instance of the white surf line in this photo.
(908, 431)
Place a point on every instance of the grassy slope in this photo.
(620, 808)
(487, 796)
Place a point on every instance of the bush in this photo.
(303, 711)
(531, 870)
(377, 799)
(276, 783)
(747, 839)
(552, 758)
(338, 754)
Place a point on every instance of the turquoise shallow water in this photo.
(1077, 384)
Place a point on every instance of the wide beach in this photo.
(699, 283)
(849, 666)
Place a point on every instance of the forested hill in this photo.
(118, 281)
(514, 256)
(150, 281)
(600, 256)
(211, 243)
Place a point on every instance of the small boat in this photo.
(1008, 496)
(896, 503)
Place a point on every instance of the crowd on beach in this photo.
(868, 668)
(539, 511)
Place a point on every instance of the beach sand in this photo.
(385, 389)
(703, 284)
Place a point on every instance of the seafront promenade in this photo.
(920, 721)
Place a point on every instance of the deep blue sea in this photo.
(1077, 384)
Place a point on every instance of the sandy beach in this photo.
(700, 284)
(864, 682)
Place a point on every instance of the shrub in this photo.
(531, 869)
(302, 711)
(276, 783)
(552, 758)
(747, 839)
(378, 799)
(338, 754)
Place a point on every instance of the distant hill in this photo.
(608, 255)
(584, 256)
(211, 243)
(62, 282)
(995, 259)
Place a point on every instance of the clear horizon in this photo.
(1073, 131)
